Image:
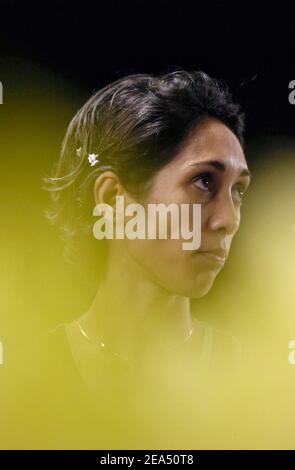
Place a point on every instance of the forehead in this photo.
(211, 140)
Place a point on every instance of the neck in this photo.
(131, 313)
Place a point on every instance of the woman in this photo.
(174, 138)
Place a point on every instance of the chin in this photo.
(192, 288)
(200, 287)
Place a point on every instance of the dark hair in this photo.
(136, 126)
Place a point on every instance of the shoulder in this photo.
(223, 347)
(226, 341)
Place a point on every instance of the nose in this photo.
(225, 215)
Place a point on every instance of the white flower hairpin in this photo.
(92, 158)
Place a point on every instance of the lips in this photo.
(215, 255)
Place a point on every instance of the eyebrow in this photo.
(221, 166)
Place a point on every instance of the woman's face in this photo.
(210, 169)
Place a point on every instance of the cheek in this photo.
(164, 260)
(158, 254)
(228, 241)
(168, 265)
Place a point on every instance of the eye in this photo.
(240, 192)
(204, 182)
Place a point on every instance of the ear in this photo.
(106, 187)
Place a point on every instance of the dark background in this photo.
(90, 43)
